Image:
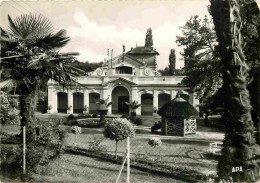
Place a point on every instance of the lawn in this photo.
(77, 168)
(184, 154)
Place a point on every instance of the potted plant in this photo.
(85, 110)
(155, 110)
(103, 108)
(133, 105)
(49, 109)
(69, 110)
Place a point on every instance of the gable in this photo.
(125, 60)
(120, 79)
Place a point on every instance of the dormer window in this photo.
(124, 70)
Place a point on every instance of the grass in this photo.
(77, 168)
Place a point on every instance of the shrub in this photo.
(135, 120)
(94, 115)
(71, 117)
(124, 116)
(118, 129)
(156, 126)
(155, 141)
(9, 113)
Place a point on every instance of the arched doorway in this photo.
(94, 98)
(62, 98)
(147, 104)
(78, 102)
(163, 98)
(120, 95)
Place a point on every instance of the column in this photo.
(191, 96)
(137, 98)
(173, 94)
(70, 102)
(106, 95)
(55, 102)
(51, 95)
(86, 100)
(155, 100)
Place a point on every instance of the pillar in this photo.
(137, 98)
(52, 99)
(155, 99)
(70, 101)
(105, 95)
(173, 94)
(86, 100)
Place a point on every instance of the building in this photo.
(129, 76)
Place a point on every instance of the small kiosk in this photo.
(178, 117)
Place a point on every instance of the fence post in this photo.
(24, 150)
(128, 160)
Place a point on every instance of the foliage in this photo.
(86, 66)
(94, 116)
(124, 116)
(107, 104)
(156, 126)
(239, 144)
(95, 147)
(202, 64)
(172, 62)
(85, 123)
(149, 38)
(118, 129)
(165, 72)
(9, 113)
(76, 130)
(155, 142)
(135, 120)
(71, 117)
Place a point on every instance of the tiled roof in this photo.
(142, 50)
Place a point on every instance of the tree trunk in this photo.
(116, 149)
(240, 149)
(28, 104)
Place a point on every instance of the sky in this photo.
(96, 26)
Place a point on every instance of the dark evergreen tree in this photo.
(240, 149)
(149, 38)
(172, 62)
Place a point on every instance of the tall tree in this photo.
(30, 54)
(240, 149)
(202, 64)
(149, 38)
(172, 62)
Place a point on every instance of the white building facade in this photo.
(129, 77)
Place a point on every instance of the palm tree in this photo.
(133, 105)
(240, 149)
(30, 54)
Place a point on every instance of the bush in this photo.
(118, 129)
(71, 117)
(94, 115)
(9, 113)
(124, 116)
(155, 141)
(156, 126)
(136, 120)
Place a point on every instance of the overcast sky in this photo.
(95, 26)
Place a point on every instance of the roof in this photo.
(178, 107)
(142, 50)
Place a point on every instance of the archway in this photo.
(93, 102)
(62, 98)
(163, 98)
(147, 104)
(78, 102)
(120, 95)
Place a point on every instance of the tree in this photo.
(202, 64)
(239, 147)
(149, 38)
(30, 54)
(119, 129)
(133, 105)
(172, 62)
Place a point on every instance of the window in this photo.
(124, 70)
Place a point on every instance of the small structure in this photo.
(178, 117)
